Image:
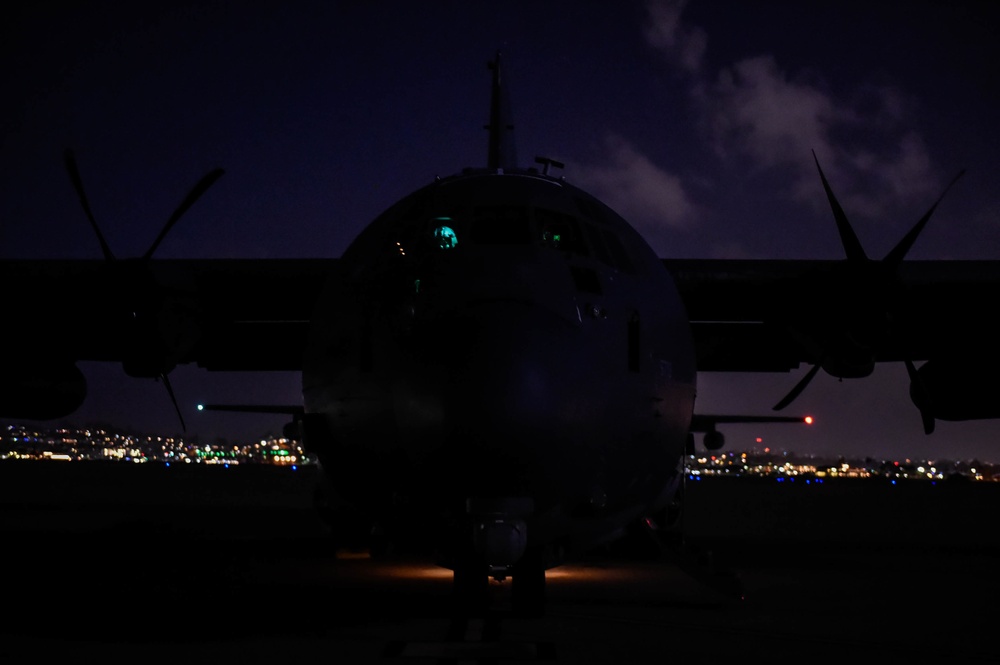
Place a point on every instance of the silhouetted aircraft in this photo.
(499, 364)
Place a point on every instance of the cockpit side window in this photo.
(590, 210)
(559, 231)
(608, 248)
(619, 256)
(597, 245)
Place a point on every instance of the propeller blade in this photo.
(920, 397)
(200, 188)
(899, 251)
(799, 387)
(849, 239)
(74, 175)
(170, 391)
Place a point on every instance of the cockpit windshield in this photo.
(500, 225)
(444, 236)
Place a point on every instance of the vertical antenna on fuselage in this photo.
(502, 154)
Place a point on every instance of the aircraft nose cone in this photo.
(502, 363)
(509, 345)
(501, 388)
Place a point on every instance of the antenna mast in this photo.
(502, 154)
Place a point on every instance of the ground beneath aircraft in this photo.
(120, 563)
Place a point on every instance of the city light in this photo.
(22, 442)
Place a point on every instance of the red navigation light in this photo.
(808, 420)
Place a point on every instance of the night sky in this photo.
(694, 120)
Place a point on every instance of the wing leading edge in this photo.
(221, 314)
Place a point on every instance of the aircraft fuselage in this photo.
(509, 351)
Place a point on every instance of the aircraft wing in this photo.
(746, 315)
(771, 315)
(845, 316)
(222, 314)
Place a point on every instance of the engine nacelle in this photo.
(41, 390)
(714, 440)
(959, 390)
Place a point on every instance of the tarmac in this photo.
(109, 563)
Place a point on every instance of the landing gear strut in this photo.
(528, 586)
(470, 586)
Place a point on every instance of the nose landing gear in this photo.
(499, 549)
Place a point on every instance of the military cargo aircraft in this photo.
(499, 364)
